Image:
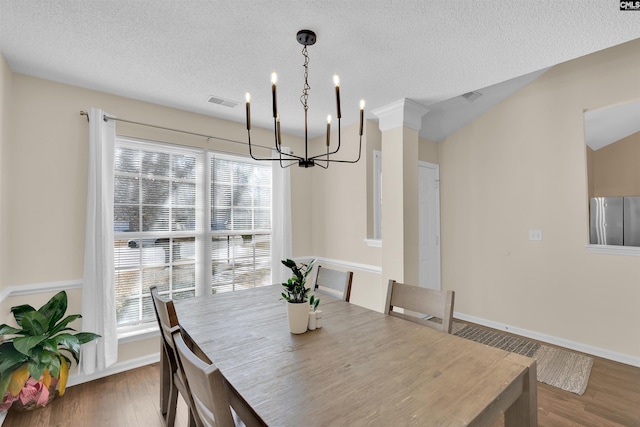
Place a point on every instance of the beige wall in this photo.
(6, 77)
(428, 151)
(521, 166)
(339, 210)
(616, 168)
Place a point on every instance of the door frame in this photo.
(436, 168)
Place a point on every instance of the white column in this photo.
(400, 123)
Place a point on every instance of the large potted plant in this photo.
(33, 367)
(295, 292)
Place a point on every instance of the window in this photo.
(240, 223)
(178, 210)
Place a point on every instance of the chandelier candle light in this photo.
(305, 38)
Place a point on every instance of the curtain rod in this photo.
(107, 118)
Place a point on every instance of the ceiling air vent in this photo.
(221, 101)
(471, 96)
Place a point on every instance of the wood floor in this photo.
(130, 399)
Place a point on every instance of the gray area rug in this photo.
(557, 367)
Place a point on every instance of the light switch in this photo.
(535, 234)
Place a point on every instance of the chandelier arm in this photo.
(332, 152)
(292, 157)
(317, 163)
(345, 161)
(278, 141)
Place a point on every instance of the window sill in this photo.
(137, 333)
(614, 250)
(375, 243)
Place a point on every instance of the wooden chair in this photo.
(333, 282)
(173, 381)
(216, 403)
(423, 301)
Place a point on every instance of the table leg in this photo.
(524, 411)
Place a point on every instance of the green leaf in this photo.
(10, 359)
(34, 323)
(71, 342)
(54, 367)
(63, 323)
(25, 344)
(4, 383)
(55, 308)
(20, 310)
(289, 263)
(50, 344)
(42, 357)
(313, 302)
(7, 330)
(85, 337)
(36, 368)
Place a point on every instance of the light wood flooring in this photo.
(131, 399)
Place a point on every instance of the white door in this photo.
(429, 222)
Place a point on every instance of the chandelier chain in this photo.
(305, 90)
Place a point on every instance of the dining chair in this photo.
(426, 303)
(333, 282)
(216, 403)
(173, 381)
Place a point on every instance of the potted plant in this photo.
(295, 292)
(32, 363)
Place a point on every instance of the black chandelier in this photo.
(305, 38)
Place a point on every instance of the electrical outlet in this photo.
(535, 234)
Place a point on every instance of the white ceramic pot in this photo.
(312, 320)
(298, 315)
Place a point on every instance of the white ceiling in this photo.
(607, 125)
(178, 53)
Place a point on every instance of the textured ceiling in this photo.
(178, 53)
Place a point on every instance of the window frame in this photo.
(202, 233)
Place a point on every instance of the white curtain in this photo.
(98, 292)
(281, 242)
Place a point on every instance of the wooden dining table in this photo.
(361, 368)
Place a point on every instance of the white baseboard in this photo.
(116, 368)
(572, 345)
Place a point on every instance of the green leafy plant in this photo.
(294, 288)
(38, 348)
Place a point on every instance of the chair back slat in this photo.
(167, 320)
(333, 282)
(423, 303)
(207, 386)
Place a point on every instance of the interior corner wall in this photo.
(339, 212)
(522, 166)
(428, 151)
